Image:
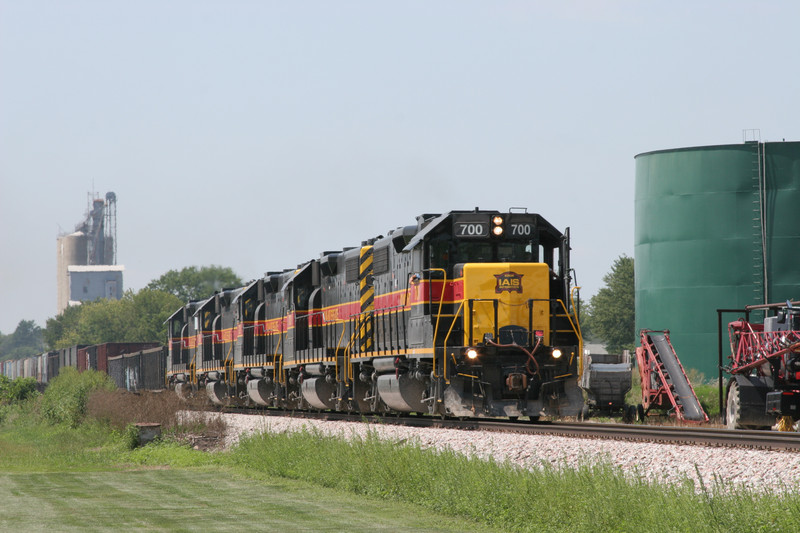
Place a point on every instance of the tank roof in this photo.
(712, 147)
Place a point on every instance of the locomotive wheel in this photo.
(733, 407)
(640, 413)
(185, 390)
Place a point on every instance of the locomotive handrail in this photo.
(360, 323)
(345, 349)
(444, 347)
(278, 360)
(574, 328)
(579, 331)
(348, 349)
(193, 367)
(568, 316)
(357, 324)
(228, 365)
(438, 314)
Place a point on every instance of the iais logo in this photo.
(508, 281)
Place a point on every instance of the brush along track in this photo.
(701, 436)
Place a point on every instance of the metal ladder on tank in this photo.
(760, 279)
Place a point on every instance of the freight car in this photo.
(466, 314)
(133, 366)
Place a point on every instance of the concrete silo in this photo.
(716, 227)
(86, 259)
(71, 250)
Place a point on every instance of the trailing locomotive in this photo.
(465, 314)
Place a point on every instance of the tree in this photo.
(26, 340)
(583, 319)
(137, 317)
(58, 327)
(152, 308)
(192, 283)
(16, 390)
(611, 313)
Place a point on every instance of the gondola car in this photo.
(465, 314)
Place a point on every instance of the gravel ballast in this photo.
(759, 470)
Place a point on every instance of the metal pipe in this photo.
(749, 308)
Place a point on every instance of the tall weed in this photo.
(187, 421)
(65, 399)
(121, 408)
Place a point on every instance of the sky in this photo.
(257, 134)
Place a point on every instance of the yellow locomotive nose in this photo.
(510, 294)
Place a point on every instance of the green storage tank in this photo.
(715, 227)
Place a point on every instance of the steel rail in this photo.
(697, 436)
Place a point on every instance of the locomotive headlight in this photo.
(472, 354)
(556, 353)
(497, 225)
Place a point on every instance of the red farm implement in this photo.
(664, 383)
(765, 369)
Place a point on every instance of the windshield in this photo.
(445, 254)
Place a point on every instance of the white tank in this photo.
(71, 250)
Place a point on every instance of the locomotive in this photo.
(463, 314)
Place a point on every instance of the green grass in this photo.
(85, 476)
(587, 499)
(196, 500)
(70, 479)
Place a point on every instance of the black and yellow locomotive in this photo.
(467, 313)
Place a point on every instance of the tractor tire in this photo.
(734, 407)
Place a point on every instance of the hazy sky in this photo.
(257, 134)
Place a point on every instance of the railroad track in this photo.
(702, 436)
